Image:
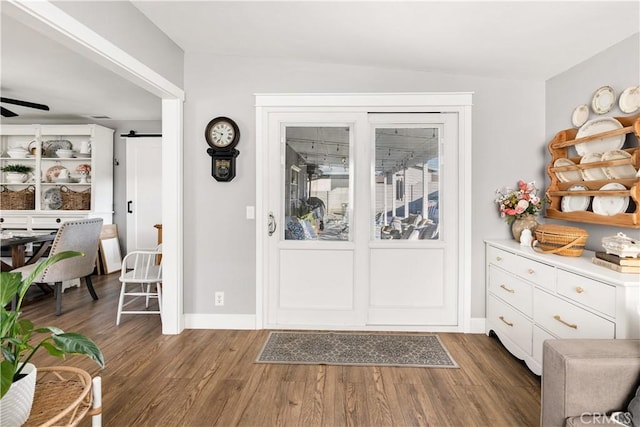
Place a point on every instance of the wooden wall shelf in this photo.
(560, 146)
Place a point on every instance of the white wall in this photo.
(125, 26)
(618, 67)
(508, 144)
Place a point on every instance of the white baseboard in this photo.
(477, 325)
(219, 321)
(248, 321)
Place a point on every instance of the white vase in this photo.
(15, 406)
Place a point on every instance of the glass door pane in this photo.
(317, 183)
(407, 183)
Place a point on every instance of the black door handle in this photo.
(129, 206)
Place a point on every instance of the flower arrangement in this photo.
(514, 204)
(84, 169)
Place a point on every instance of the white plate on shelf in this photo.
(53, 172)
(575, 203)
(610, 205)
(603, 100)
(567, 176)
(630, 100)
(621, 171)
(595, 126)
(592, 174)
(580, 115)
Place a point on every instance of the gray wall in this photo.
(508, 144)
(618, 67)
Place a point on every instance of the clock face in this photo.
(222, 132)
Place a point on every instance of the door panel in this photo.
(302, 287)
(407, 278)
(144, 191)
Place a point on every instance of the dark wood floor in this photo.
(209, 378)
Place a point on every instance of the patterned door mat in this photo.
(337, 348)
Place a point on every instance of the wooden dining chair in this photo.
(81, 236)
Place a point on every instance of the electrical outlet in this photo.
(219, 298)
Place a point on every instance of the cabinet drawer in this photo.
(52, 221)
(514, 291)
(566, 320)
(537, 272)
(501, 258)
(510, 323)
(592, 293)
(14, 221)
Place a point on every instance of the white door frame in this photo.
(455, 102)
(100, 50)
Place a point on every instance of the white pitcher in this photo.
(85, 147)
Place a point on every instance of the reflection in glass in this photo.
(317, 189)
(407, 183)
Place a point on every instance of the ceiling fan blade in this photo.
(25, 104)
(7, 113)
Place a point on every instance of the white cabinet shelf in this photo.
(532, 297)
(42, 141)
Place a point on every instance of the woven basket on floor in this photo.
(75, 200)
(18, 200)
(560, 239)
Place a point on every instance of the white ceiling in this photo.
(38, 69)
(514, 39)
(509, 39)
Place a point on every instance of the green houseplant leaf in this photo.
(17, 334)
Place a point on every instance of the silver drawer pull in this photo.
(498, 258)
(579, 289)
(507, 289)
(507, 323)
(571, 325)
(531, 271)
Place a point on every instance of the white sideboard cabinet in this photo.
(88, 194)
(532, 297)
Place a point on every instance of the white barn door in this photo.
(144, 191)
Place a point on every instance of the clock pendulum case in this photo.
(222, 135)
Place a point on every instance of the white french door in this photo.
(312, 258)
(413, 247)
(363, 218)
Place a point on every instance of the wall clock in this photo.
(222, 134)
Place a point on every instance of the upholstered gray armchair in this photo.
(81, 236)
(585, 380)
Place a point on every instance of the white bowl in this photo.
(17, 154)
(65, 153)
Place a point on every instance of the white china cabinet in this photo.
(71, 175)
